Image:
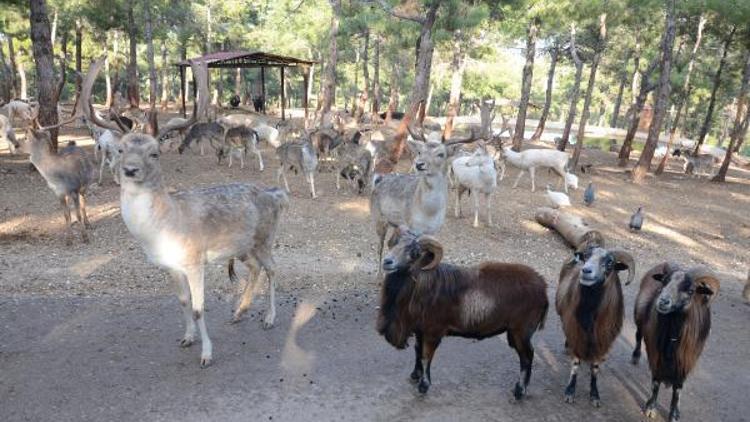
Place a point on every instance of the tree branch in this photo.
(391, 11)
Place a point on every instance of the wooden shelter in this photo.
(252, 59)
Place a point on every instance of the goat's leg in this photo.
(416, 374)
(68, 220)
(311, 178)
(101, 169)
(266, 261)
(200, 141)
(248, 291)
(650, 410)
(82, 200)
(674, 407)
(381, 229)
(260, 158)
(280, 173)
(195, 280)
(525, 350)
(637, 351)
(594, 390)
(457, 208)
(338, 179)
(183, 295)
(532, 173)
(429, 345)
(518, 179)
(475, 194)
(570, 390)
(488, 198)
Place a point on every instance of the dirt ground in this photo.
(90, 331)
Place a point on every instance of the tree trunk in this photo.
(737, 132)
(152, 113)
(63, 66)
(576, 90)
(165, 85)
(13, 67)
(329, 74)
(376, 77)
(716, 82)
(640, 101)
(79, 62)
(393, 99)
(554, 54)
(662, 96)
(458, 65)
(486, 117)
(585, 112)
(133, 97)
(24, 92)
(620, 91)
(6, 89)
(238, 82)
(419, 90)
(601, 45)
(528, 71)
(686, 90)
(45, 72)
(364, 95)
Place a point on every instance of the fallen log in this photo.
(576, 232)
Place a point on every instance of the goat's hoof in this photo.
(596, 402)
(187, 342)
(674, 416)
(235, 319)
(569, 398)
(519, 391)
(423, 386)
(415, 375)
(649, 412)
(267, 325)
(205, 361)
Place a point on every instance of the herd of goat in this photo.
(421, 296)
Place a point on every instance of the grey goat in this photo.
(298, 156)
(200, 132)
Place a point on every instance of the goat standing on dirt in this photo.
(184, 231)
(475, 173)
(8, 135)
(673, 316)
(298, 156)
(237, 141)
(590, 304)
(531, 159)
(201, 132)
(68, 173)
(431, 300)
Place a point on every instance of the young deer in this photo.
(183, 231)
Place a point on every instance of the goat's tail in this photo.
(543, 318)
(230, 269)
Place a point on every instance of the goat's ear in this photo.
(659, 277)
(621, 266)
(578, 257)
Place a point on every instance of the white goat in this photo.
(571, 180)
(27, 112)
(184, 231)
(8, 135)
(267, 133)
(475, 173)
(531, 159)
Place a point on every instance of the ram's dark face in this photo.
(676, 294)
(598, 264)
(404, 251)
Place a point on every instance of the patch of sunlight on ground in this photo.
(293, 357)
(356, 206)
(670, 234)
(86, 266)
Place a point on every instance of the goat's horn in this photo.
(432, 245)
(627, 259)
(704, 275)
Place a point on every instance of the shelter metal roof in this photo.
(245, 59)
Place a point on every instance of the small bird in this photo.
(557, 199)
(636, 220)
(589, 194)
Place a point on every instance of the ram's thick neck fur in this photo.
(591, 316)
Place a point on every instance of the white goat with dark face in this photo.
(182, 232)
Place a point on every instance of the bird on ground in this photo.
(557, 199)
(589, 195)
(636, 220)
